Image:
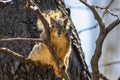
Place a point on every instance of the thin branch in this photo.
(103, 77)
(96, 15)
(86, 29)
(21, 39)
(112, 25)
(97, 54)
(108, 10)
(108, 7)
(98, 50)
(16, 55)
(5, 1)
(116, 9)
(111, 63)
(108, 64)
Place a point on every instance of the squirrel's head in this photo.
(58, 27)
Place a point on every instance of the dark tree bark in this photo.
(17, 21)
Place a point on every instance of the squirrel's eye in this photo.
(52, 26)
(64, 26)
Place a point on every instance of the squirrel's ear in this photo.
(65, 21)
(52, 21)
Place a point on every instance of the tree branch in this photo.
(21, 39)
(103, 77)
(108, 7)
(16, 55)
(111, 63)
(96, 15)
(86, 29)
(98, 50)
(97, 53)
(20, 57)
(107, 10)
(5, 1)
(112, 25)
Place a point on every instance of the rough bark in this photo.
(16, 21)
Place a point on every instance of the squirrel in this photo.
(60, 38)
(53, 14)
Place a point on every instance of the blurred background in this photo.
(82, 17)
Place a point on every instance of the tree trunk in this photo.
(17, 21)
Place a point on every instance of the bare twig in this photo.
(111, 63)
(116, 9)
(16, 55)
(98, 50)
(108, 10)
(5, 1)
(108, 64)
(21, 39)
(108, 7)
(96, 15)
(112, 25)
(97, 54)
(86, 29)
(103, 77)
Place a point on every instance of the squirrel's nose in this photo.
(59, 32)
